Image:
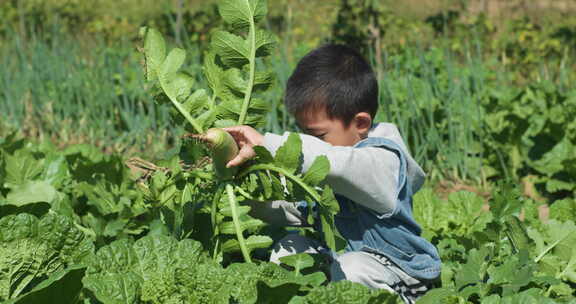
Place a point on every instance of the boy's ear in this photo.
(362, 121)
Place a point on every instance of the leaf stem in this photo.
(252, 69)
(178, 106)
(213, 211)
(329, 237)
(187, 115)
(233, 204)
(547, 249)
(284, 172)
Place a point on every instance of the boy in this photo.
(333, 95)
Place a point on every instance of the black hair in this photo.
(336, 78)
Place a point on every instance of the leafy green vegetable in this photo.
(345, 292)
(517, 234)
(32, 250)
(234, 81)
(230, 68)
(283, 180)
(563, 210)
(61, 287)
(503, 260)
(31, 192)
(144, 270)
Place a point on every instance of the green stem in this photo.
(550, 247)
(187, 115)
(182, 111)
(233, 203)
(252, 64)
(329, 238)
(287, 174)
(213, 212)
(244, 193)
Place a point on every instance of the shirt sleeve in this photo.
(368, 176)
(279, 213)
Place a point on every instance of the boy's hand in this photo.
(246, 138)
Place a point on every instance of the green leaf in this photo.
(265, 43)
(329, 207)
(266, 184)
(154, 52)
(31, 192)
(438, 295)
(555, 185)
(263, 80)
(298, 261)
(234, 81)
(61, 287)
(260, 106)
(245, 224)
(555, 160)
(515, 272)
(36, 209)
(173, 62)
(288, 156)
(469, 274)
(560, 239)
(197, 101)
(328, 200)
(152, 269)
(240, 13)
(256, 120)
(181, 85)
(280, 292)
(33, 249)
(264, 156)
(21, 168)
(230, 245)
(517, 233)
(213, 73)
(232, 49)
(258, 241)
(227, 211)
(176, 85)
(346, 292)
(207, 118)
(563, 210)
(224, 123)
(317, 171)
(529, 296)
(245, 280)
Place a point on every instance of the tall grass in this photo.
(67, 91)
(435, 101)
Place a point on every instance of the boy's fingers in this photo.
(236, 161)
(231, 164)
(237, 133)
(234, 130)
(245, 154)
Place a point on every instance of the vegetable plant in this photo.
(236, 73)
(34, 250)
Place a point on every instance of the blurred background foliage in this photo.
(481, 89)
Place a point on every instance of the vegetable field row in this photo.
(75, 224)
(83, 225)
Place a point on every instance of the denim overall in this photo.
(395, 235)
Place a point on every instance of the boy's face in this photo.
(333, 131)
